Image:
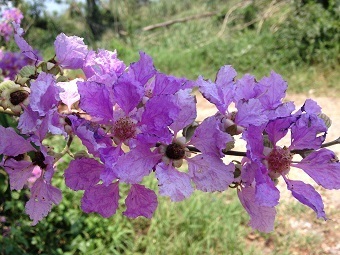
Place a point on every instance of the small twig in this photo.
(336, 141)
(227, 15)
(171, 22)
(66, 150)
(232, 153)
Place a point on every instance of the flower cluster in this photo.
(7, 17)
(11, 63)
(136, 121)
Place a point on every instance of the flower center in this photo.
(124, 128)
(279, 160)
(175, 151)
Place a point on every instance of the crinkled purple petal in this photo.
(166, 84)
(266, 194)
(44, 93)
(253, 136)
(24, 47)
(271, 90)
(43, 196)
(160, 112)
(101, 199)
(221, 92)
(278, 128)
(128, 93)
(83, 173)
(250, 112)
(70, 51)
(172, 183)
(143, 69)
(140, 201)
(244, 88)
(91, 135)
(323, 167)
(283, 110)
(308, 132)
(103, 66)
(137, 163)
(187, 103)
(307, 195)
(208, 137)
(69, 94)
(248, 173)
(18, 172)
(109, 156)
(29, 121)
(209, 173)
(13, 144)
(311, 107)
(95, 100)
(261, 217)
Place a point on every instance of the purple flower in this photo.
(9, 16)
(70, 51)
(103, 67)
(267, 164)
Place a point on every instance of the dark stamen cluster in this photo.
(175, 151)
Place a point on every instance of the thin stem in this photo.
(336, 141)
(232, 153)
(66, 150)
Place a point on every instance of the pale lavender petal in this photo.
(128, 93)
(160, 112)
(208, 137)
(143, 69)
(311, 107)
(244, 88)
(278, 128)
(70, 51)
(283, 110)
(101, 199)
(261, 217)
(308, 132)
(24, 47)
(253, 136)
(137, 163)
(323, 167)
(109, 156)
(140, 201)
(18, 172)
(209, 173)
(187, 115)
(83, 173)
(44, 93)
(221, 92)
(250, 112)
(43, 196)
(95, 100)
(307, 195)
(266, 194)
(13, 144)
(69, 92)
(173, 183)
(103, 66)
(271, 90)
(166, 84)
(29, 121)
(90, 134)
